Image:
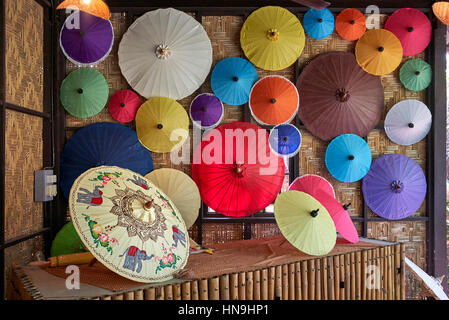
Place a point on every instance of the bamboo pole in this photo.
(364, 267)
(324, 272)
(378, 274)
(138, 295)
(264, 284)
(385, 274)
(305, 280)
(106, 298)
(234, 285)
(369, 275)
(117, 297)
(256, 288)
(397, 271)
(337, 277)
(150, 294)
(291, 281)
(318, 279)
(298, 284)
(347, 276)
(311, 279)
(330, 278)
(382, 273)
(185, 291)
(402, 271)
(224, 287)
(128, 295)
(242, 286)
(214, 288)
(160, 293)
(278, 283)
(389, 282)
(204, 289)
(195, 290)
(271, 283)
(353, 275)
(285, 282)
(249, 285)
(168, 292)
(342, 278)
(358, 275)
(177, 295)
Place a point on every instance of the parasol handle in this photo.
(314, 213)
(320, 20)
(411, 125)
(273, 100)
(235, 79)
(160, 126)
(352, 22)
(351, 157)
(417, 73)
(80, 90)
(381, 49)
(346, 206)
(122, 105)
(410, 29)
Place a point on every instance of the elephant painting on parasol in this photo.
(94, 198)
(135, 256)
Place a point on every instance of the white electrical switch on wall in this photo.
(45, 187)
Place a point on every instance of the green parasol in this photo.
(67, 241)
(416, 75)
(84, 92)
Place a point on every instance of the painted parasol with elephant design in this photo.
(128, 224)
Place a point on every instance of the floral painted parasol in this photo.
(128, 224)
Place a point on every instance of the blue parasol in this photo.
(232, 80)
(319, 24)
(348, 158)
(285, 140)
(102, 144)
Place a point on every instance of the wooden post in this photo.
(185, 291)
(364, 267)
(368, 276)
(150, 294)
(278, 283)
(389, 283)
(138, 295)
(342, 283)
(402, 271)
(358, 275)
(311, 282)
(160, 293)
(168, 292)
(177, 291)
(330, 278)
(348, 276)
(397, 271)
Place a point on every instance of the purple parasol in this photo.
(206, 111)
(395, 187)
(88, 42)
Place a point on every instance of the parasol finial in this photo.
(352, 22)
(397, 186)
(163, 52)
(273, 100)
(342, 95)
(417, 73)
(148, 205)
(411, 125)
(285, 139)
(381, 49)
(235, 78)
(204, 109)
(314, 213)
(410, 29)
(351, 157)
(160, 126)
(80, 91)
(122, 105)
(320, 20)
(273, 34)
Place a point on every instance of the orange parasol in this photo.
(94, 7)
(441, 11)
(350, 24)
(274, 100)
(378, 52)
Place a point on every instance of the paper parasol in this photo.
(128, 224)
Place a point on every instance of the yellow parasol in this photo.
(162, 124)
(272, 38)
(305, 223)
(128, 224)
(181, 189)
(378, 52)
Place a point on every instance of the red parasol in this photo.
(338, 97)
(236, 171)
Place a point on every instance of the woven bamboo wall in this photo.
(24, 145)
(224, 32)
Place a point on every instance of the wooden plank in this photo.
(234, 286)
(324, 272)
(242, 286)
(353, 276)
(214, 288)
(224, 287)
(285, 282)
(298, 283)
(271, 283)
(256, 287)
(291, 281)
(204, 289)
(305, 280)
(249, 285)
(264, 284)
(186, 291)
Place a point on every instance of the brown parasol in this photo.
(338, 97)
